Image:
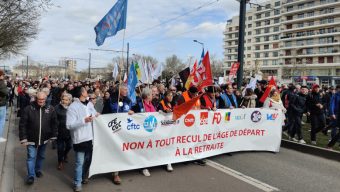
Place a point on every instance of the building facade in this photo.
(294, 40)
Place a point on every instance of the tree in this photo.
(19, 23)
(216, 66)
(173, 65)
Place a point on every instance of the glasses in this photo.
(172, 89)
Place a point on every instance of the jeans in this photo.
(295, 126)
(2, 119)
(63, 147)
(318, 122)
(35, 158)
(83, 162)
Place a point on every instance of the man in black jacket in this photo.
(37, 126)
(297, 108)
(315, 107)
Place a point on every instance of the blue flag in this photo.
(112, 22)
(132, 82)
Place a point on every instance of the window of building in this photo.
(258, 16)
(267, 30)
(249, 32)
(265, 46)
(299, 42)
(275, 62)
(299, 52)
(298, 60)
(323, 1)
(330, 49)
(321, 59)
(249, 40)
(299, 25)
(249, 55)
(249, 25)
(265, 62)
(230, 29)
(235, 50)
(309, 60)
(288, 44)
(250, 18)
(331, 20)
(301, 6)
(322, 50)
(277, 20)
(276, 12)
(230, 36)
(289, 26)
(236, 35)
(275, 37)
(290, 8)
(310, 4)
(300, 34)
(289, 18)
(330, 59)
(331, 30)
(277, 3)
(310, 23)
(258, 39)
(288, 53)
(322, 40)
(248, 48)
(268, 6)
(323, 21)
(301, 15)
(266, 54)
(257, 47)
(275, 45)
(322, 31)
(275, 54)
(259, 8)
(258, 31)
(310, 14)
(288, 61)
(266, 38)
(258, 24)
(236, 28)
(267, 14)
(310, 33)
(229, 57)
(267, 22)
(309, 51)
(257, 55)
(276, 29)
(310, 41)
(236, 42)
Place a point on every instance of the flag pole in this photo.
(120, 80)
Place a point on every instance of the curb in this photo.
(5, 135)
(310, 149)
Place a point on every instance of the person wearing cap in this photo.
(3, 102)
(188, 95)
(315, 108)
(334, 112)
(208, 100)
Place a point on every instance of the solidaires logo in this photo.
(256, 116)
(150, 123)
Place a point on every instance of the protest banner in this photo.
(125, 142)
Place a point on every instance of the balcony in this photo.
(315, 26)
(312, 18)
(307, 36)
(308, 8)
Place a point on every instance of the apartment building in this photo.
(294, 40)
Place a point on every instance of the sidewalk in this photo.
(185, 178)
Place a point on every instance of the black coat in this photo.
(63, 132)
(297, 103)
(38, 124)
(312, 100)
(24, 101)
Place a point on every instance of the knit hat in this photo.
(315, 86)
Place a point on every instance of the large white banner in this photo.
(124, 142)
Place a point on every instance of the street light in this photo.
(199, 43)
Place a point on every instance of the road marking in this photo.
(245, 178)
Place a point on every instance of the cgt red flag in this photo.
(268, 89)
(184, 107)
(233, 70)
(204, 70)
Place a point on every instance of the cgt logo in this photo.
(204, 118)
(256, 116)
(150, 123)
(272, 117)
(131, 125)
(227, 116)
(189, 120)
(217, 118)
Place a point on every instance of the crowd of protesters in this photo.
(62, 111)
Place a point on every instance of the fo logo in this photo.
(204, 118)
(256, 116)
(150, 123)
(189, 120)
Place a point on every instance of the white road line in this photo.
(245, 178)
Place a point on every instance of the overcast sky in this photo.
(67, 30)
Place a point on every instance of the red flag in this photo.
(184, 107)
(268, 89)
(233, 70)
(204, 73)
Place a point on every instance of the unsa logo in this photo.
(189, 120)
(150, 123)
(256, 116)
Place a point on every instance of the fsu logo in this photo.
(189, 120)
(204, 118)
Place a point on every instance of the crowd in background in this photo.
(89, 99)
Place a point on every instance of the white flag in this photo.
(157, 72)
(115, 71)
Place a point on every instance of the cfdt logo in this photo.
(189, 120)
(256, 116)
(131, 125)
(272, 117)
(217, 118)
(227, 116)
(204, 118)
(150, 123)
(114, 125)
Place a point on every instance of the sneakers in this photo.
(293, 139)
(117, 180)
(285, 133)
(313, 142)
(169, 168)
(38, 174)
(60, 166)
(301, 141)
(146, 173)
(30, 181)
(77, 188)
(2, 139)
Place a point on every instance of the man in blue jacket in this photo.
(335, 114)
